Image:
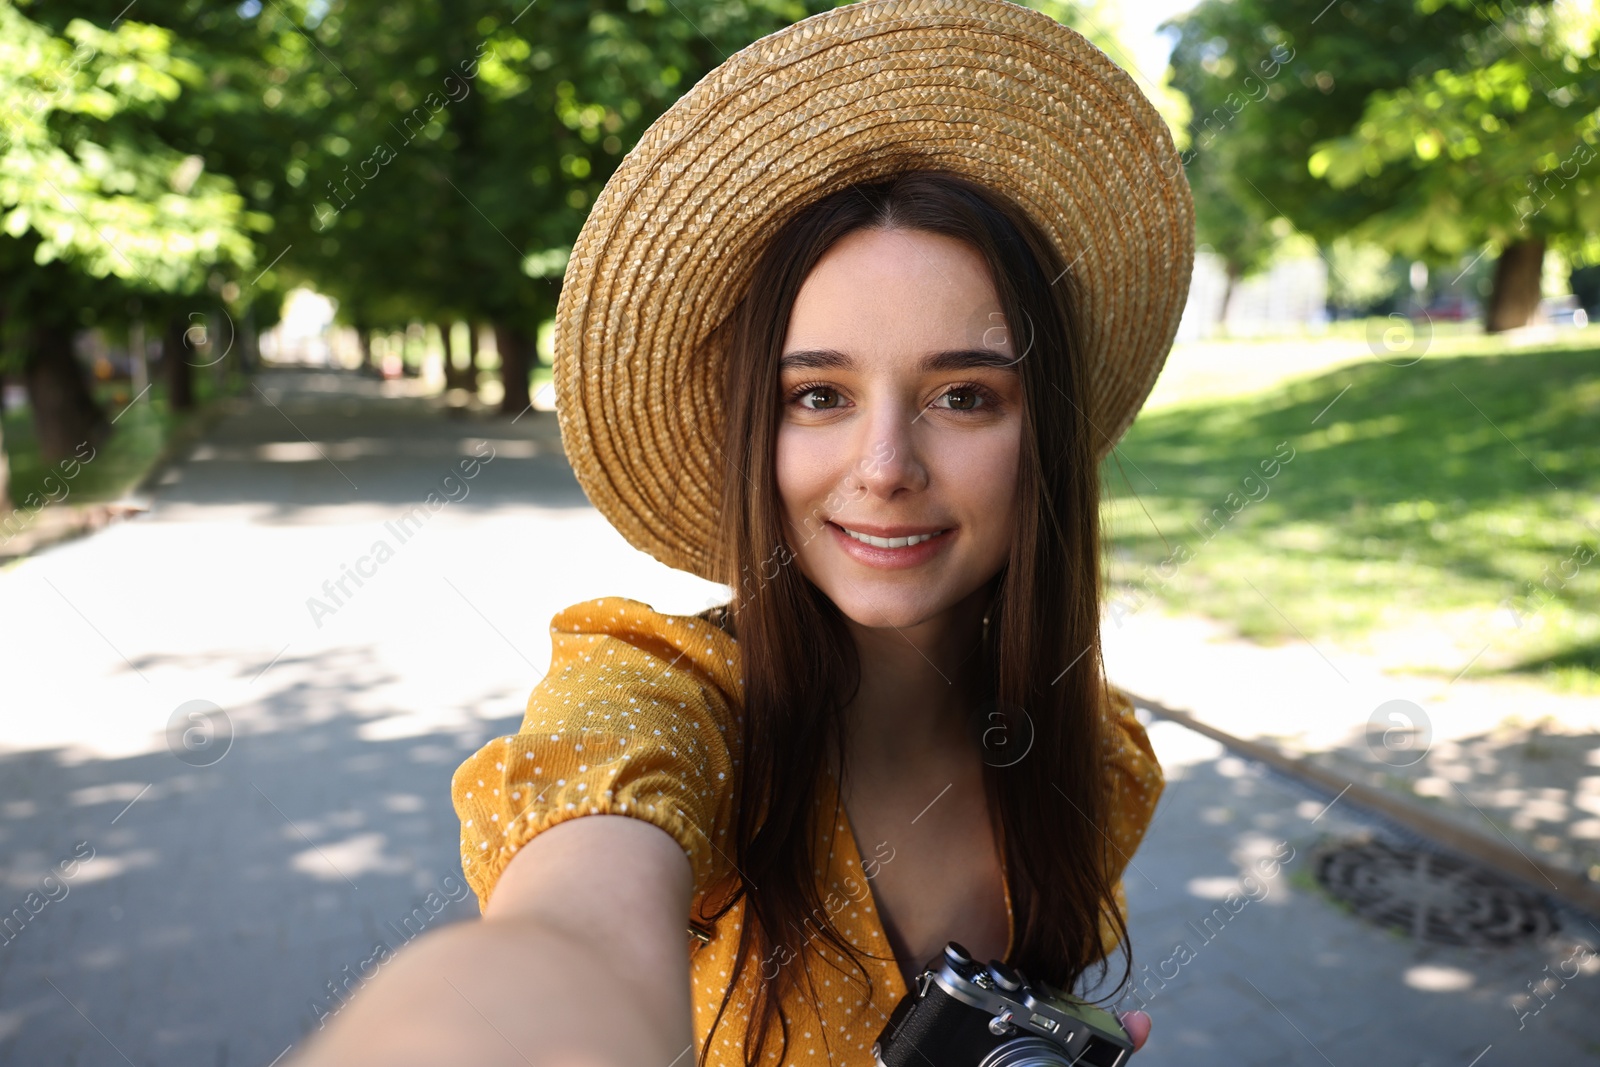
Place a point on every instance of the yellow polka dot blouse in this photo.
(640, 715)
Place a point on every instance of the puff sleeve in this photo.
(638, 715)
(1136, 782)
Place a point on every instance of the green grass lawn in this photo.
(1433, 513)
(138, 435)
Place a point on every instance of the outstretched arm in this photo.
(580, 960)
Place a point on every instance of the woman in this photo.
(830, 341)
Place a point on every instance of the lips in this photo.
(881, 558)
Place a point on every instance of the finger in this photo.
(1137, 1024)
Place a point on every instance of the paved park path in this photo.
(207, 875)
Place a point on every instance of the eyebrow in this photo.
(956, 359)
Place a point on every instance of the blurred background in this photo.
(276, 276)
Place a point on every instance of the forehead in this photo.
(894, 294)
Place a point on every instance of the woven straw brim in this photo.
(985, 89)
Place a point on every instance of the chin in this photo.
(881, 609)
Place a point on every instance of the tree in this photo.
(1395, 122)
(93, 203)
(455, 191)
(1497, 152)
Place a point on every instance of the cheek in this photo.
(788, 471)
(806, 478)
(980, 477)
(807, 494)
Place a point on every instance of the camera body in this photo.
(965, 1014)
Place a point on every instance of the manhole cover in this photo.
(1433, 898)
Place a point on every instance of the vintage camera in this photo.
(964, 1014)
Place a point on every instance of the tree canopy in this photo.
(1431, 128)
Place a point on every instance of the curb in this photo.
(1500, 855)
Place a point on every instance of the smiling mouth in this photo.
(891, 542)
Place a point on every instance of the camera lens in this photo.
(1027, 1052)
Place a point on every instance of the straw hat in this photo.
(985, 89)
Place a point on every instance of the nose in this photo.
(888, 458)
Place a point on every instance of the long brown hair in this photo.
(1041, 669)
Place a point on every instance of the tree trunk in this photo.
(413, 350)
(1233, 273)
(249, 345)
(368, 360)
(1515, 297)
(65, 414)
(175, 356)
(516, 364)
(5, 469)
(454, 377)
(5, 463)
(138, 361)
(220, 333)
(473, 382)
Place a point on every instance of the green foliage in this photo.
(1363, 275)
(1501, 151)
(463, 145)
(1425, 126)
(80, 170)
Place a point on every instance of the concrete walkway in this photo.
(1241, 958)
(1501, 760)
(225, 785)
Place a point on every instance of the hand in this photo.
(1137, 1024)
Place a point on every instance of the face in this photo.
(901, 414)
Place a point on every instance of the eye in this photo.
(974, 395)
(799, 393)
